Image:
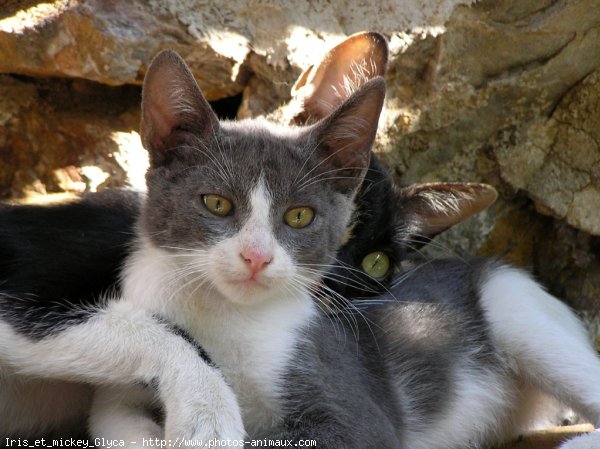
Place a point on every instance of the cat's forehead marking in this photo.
(257, 233)
(260, 202)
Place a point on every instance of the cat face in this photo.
(256, 210)
(391, 224)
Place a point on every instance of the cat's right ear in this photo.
(172, 105)
(345, 68)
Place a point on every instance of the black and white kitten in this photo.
(232, 241)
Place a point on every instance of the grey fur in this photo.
(384, 369)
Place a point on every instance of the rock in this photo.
(59, 135)
(550, 438)
(561, 173)
(112, 42)
(109, 42)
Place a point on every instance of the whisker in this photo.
(324, 160)
(354, 282)
(323, 175)
(349, 307)
(353, 269)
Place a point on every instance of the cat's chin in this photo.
(249, 292)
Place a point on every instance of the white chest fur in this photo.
(252, 348)
(251, 343)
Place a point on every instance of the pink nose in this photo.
(256, 260)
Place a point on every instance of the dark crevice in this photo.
(81, 95)
(227, 108)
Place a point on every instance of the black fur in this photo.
(57, 261)
(374, 228)
(176, 330)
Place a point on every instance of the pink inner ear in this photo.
(443, 205)
(161, 120)
(303, 79)
(349, 132)
(171, 99)
(344, 69)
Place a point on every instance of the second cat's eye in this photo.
(299, 217)
(217, 204)
(376, 264)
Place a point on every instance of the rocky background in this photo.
(505, 92)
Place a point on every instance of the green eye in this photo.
(376, 264)
(299, 217)
(218, 205)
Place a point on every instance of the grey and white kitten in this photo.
(240, 220)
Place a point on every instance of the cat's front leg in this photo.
(122, 344)
(124, 413)
(201, 411)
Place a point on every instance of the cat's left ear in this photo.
(434, 207)
(343, 140)
(172, 106)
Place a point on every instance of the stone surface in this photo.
(59, 135)
(549, 438)
(562, 168)
(112, 42)
(106, 41)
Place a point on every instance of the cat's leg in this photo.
(124, 345)
(124, 413)
(549, 344)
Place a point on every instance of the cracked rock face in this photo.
(558, 162)
(498, 91)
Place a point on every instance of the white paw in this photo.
(587, 441)
(207, 411)
(119, 414)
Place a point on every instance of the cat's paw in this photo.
(207, 412)
(587, 441)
